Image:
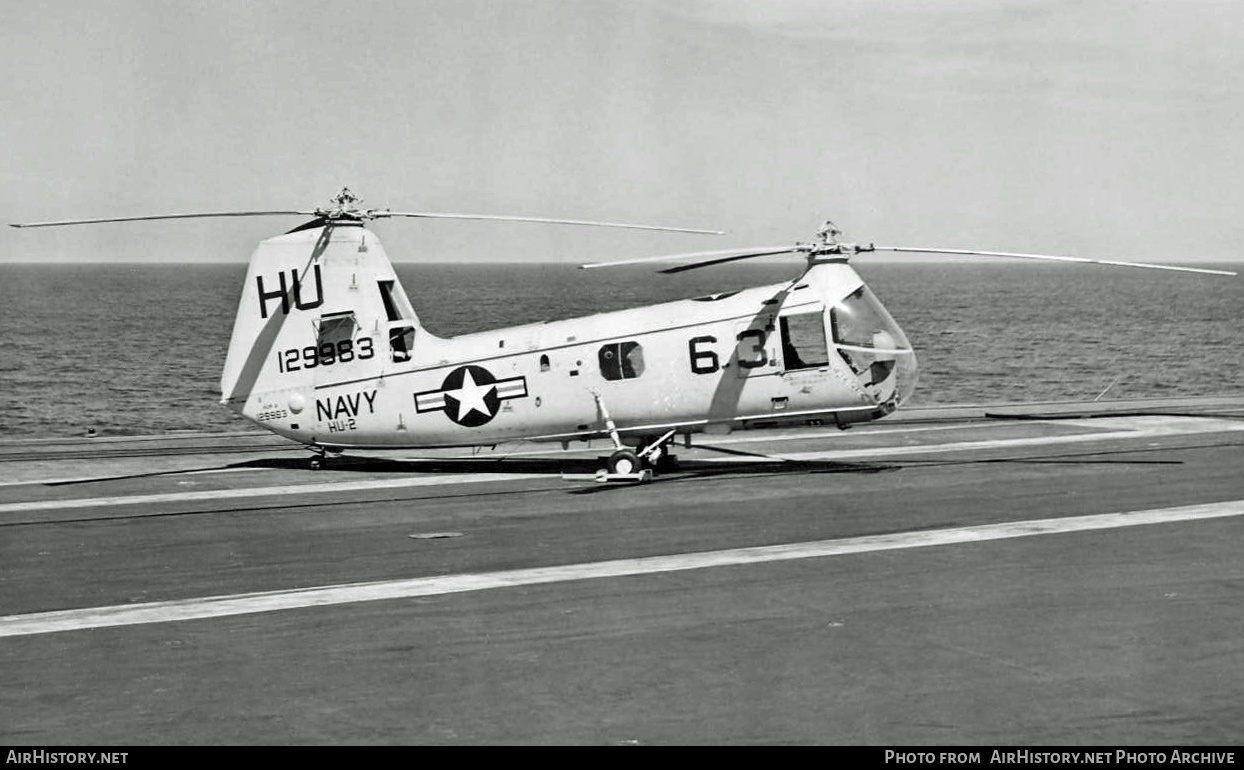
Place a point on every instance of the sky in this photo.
(1098, 128)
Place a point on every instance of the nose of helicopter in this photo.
(891, 376)
(879, 354)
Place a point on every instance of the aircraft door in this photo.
(803, 339)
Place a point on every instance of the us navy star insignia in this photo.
(470, 395)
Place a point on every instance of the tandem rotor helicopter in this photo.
(328, 351)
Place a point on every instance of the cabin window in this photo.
(401, 342)
(621, 360)
(544, 363)
(336, 327)
(803, 341)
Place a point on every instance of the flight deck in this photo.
(1063, 573)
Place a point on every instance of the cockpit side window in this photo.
(803, 341)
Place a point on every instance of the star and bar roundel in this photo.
(471, 395)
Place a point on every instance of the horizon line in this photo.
(462, 263)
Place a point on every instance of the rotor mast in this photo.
(345, 208)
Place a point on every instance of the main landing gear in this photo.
(623, 461)
(627, 464)
(651, 454)
(320, 456)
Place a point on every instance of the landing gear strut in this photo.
(319, 458)
(654, 452)
(651, 454)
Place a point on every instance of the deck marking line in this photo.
(290, 489)
(1145, 426)
(269, 601)
(1135, 428)
(757, 437)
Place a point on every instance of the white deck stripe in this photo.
(291, 489)
(744, 437)
(1130, 428)
(1108, 428)
(269, 601)
(1103, 428)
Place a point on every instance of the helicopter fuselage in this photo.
(329, 352)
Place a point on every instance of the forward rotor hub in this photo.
(827, 243)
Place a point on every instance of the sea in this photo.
(137, 349)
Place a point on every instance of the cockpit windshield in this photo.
(874, 347)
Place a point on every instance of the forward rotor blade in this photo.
(722, 260)
(731, 254)
(537, 220)
(1053, 258)
(166, 216)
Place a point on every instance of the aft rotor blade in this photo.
(743, 253)
(165, 216)
(537, 220)
(1053, 258)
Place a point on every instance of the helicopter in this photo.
(328, 351)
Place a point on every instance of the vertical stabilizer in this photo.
(318, 304)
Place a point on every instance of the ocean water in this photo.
(137, 349)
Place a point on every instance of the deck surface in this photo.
(1020, 574)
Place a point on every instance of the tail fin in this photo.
(319, 304)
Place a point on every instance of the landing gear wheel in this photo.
(623, 461)
(315, 463)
